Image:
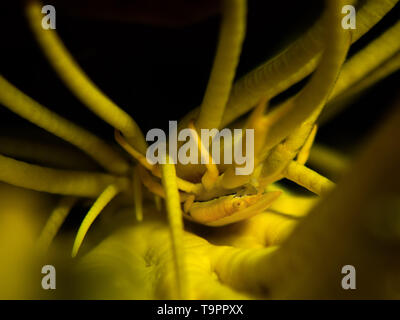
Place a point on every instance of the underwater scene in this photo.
(199, 150)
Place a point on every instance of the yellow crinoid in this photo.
(222, 235)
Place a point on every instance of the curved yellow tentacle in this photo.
(66, 182)
(137, 195)
(105, 197)
(227, 58)
(308, 178)
(174, 211)
(368, 59)
(54, 223)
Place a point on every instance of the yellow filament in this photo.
(227, 58)
(137, 195)
(54, 223)
(176, 225)
(211, 175)
(281, 155)
(134, 153)
(261, 124)
(308, 178)
(304, 152)
(105, 197)
(66, 182)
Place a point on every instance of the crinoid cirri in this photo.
(292, 86)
